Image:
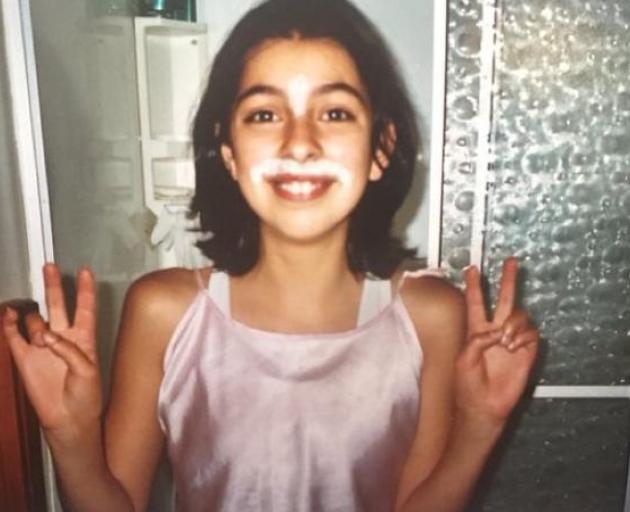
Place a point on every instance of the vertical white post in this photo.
(22, 73)
(438, 109)
(626, 506)
(484, 128)
(20, 62)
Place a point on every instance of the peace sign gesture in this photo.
(493, 368)
(59, 366)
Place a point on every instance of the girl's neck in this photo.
(311, 284)
(314, 266)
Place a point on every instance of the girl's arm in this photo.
(60, 371)
(133, 438)
(467, 396)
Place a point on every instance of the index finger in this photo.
(475, 307)
(85, 314)
(507, 291)
(55, 301)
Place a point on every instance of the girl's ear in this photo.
(228, 160)
(383, 152)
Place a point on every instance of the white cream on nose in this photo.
(298, 91)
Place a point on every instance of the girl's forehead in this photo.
(277, 61)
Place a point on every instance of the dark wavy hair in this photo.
(223, 212)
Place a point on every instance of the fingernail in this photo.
(49, 338)
(506, 339)
(511, 347)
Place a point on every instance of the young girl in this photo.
(303, 371)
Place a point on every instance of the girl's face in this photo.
(301, 137)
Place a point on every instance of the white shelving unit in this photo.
(172, 61)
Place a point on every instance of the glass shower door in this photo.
(84, 59)
(538, 166)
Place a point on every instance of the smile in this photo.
(300, 188)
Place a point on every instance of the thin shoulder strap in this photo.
(376, 295)
(414, 274)
(219, 291)
(199, 279)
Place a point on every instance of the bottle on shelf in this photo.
(183, 10)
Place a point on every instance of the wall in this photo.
(408, 29)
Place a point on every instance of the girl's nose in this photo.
(300, 141)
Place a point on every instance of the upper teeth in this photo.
(298, 187)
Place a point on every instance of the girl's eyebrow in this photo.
(322, 89)
(257, 89)
(342, 86)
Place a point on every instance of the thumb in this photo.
(11, 334)
(478, 344)
(78, 363)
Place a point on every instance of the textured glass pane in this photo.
(561, 197)
(86, 72)
(460, 143)
(567, 455)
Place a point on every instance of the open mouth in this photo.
(299, 187)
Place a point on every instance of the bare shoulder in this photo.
(156, 301)
(437, 309)
(172, 287)
(154, 305)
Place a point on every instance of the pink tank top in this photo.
(265, 421)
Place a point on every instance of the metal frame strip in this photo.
(484, 128)
(582, 392)
(20, 60)
(438, 109)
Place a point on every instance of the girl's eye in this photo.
(338, 114)
(262, 116)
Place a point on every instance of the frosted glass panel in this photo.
(86, 73)
(460, 150)
(561, 195)
(568, 455)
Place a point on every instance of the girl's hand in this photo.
(493, 369)
(59, 366)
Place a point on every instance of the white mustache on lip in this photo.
(318, 168)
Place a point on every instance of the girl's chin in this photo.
(306, 232)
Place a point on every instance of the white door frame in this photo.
(25, 111)
(438, 110)
(26, 120)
